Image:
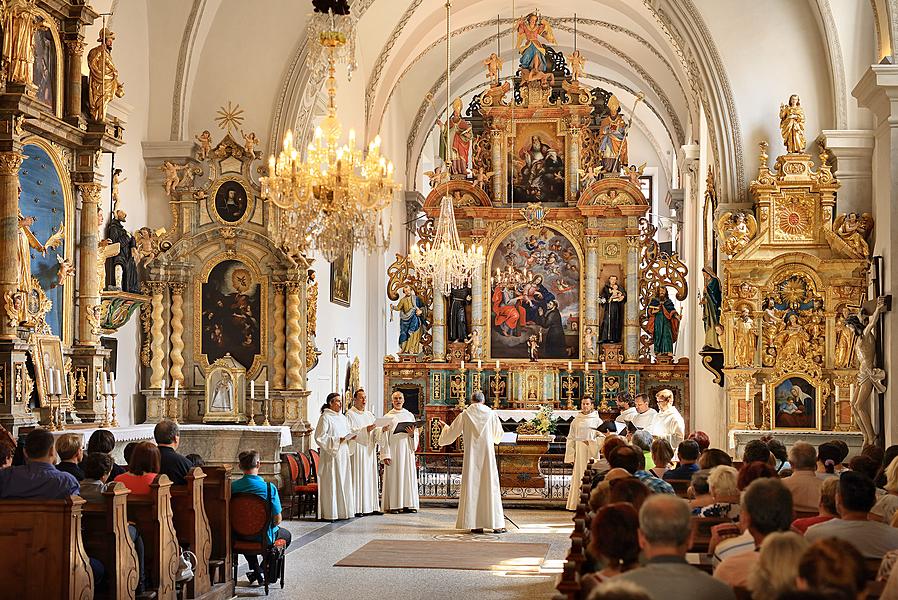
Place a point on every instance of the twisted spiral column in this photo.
(157, 349)
(295, 355)
(280, 340)
(176, 369)
(9, 233)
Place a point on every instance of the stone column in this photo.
(498, 165)
(439, 325)
(295, 354)
(74, 56)
(477, 317)
(631, 326)
(9, 235)
(157, 338)
(279, 377)
(88, 279)
(176, 368)
(573, 163)
(590, 310)
(853, 151)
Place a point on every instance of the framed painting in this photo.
(796, 404)
(341, 280)
(225, 392)
(231, 202)
(231, 313)
(535, 295)
(46, 353)
(45, 67)
(538, 162)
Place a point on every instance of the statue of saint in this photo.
(793, 339)
(745, 339)
(223, 396)
(868, 376)
(844, 340)
(21, 23)
(854, 229)
(792, 125)
(103, 81)
(613, 297)
(123, 274)
(460, 135)
(664, 322)
(26, 241)
(613, 138)
(534, 62)
(411, 321)
(711, 301)
(459, 299)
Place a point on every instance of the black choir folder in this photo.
(407, 426)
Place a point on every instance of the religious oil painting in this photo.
(535, 296)
(231, 313)
(795, 404)
(538, 160)
(45, 67)
(341, 279)
(46, 353)
(231, 201)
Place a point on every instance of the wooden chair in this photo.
(106, 538)
(217, 502)
(316, 458)
(305, 491)
(152, 515)
(192, 529)
(250, 519)
(44, 555)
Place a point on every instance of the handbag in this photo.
(274, 555)
(186, 565)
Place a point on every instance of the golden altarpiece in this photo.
(559, 212)
(795, 271)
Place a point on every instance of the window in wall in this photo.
(645, 184)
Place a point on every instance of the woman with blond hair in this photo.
(777, 565)
(722, 486)
(886, 506)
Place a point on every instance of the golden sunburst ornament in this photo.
(229, 117)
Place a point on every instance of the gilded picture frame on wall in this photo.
(46, 353)
(795, 403)
(341, 280)
(225, 392)
(231, 201)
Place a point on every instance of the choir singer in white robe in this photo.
(335, 497)
(364, 456)
(480, 498)
(581, 446)
(400, 485)
(669, 423)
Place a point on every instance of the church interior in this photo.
(455, 298)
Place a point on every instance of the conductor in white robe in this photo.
(480, 498)
(363, 459)
(669, 423)
(581, 447)
(400, 484)
(335, 497)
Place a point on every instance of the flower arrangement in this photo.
(543, 423)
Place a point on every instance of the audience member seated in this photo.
(127, 452)
(722, 482)
(826, 509)
(628, 489)
(887, 457)
(6, 453)
(38, 477)
(662, 454)
(829, 462)
(867, 466)
(701, 438)
(756, 451)
(614, 542)
(687, 455)
(665, 534)
(630, 459)
(251, 483)
(855, 497)
(753, 470)
(97, 468)
(103, 440)
(142, 469)
(777, 565)
(642, 440)
(728, 539)
(803, 482)
(616, 589)
(713, 457)
(886, 506)
(601, 466)
(781, 463)
(168, 437)
(832, 566)
(842, 446)
(196, 460)
(699, 492)
(70, 453)
(766, 508)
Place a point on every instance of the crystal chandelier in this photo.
(334, 200)
(446, 262)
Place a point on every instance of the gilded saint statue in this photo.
(736, 230)
(792, 125)
(854, 229)
(844, 340)
(20, 24)
(26, 241)
(793, 340)
(712, 298)
(104, 83)
(534, 62)
(745, 339)
(460, 135)
(613, 137)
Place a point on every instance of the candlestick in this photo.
(496, 388)
(114, 422)
(252, 409)
(267, 407)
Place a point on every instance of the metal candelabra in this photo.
(569, 384)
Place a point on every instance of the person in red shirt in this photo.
(827, 507)
(142, 469)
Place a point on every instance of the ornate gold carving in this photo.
(295, 354)
(10, 162)
(736, 230)
(176, 355)
(794, 217)
(401, 274)
(280, 336)
(854, 229)
(157, 373)
(14, 305)
(656, 270)
(436, 387)
(612, 250)
(534, 214)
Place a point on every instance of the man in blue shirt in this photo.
(687, 455)
(251, 483)
(38, 478)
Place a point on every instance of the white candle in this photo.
(603, 367)
(851, 392)
(462, 365)
(112, 383)
(50, 382)
(266, 389)
(105, 382)
(586, 368)
(763, 394)
(497, 365)
(747, 390)
(568, 365)
(479, 364)
(162, 391)
(837, 393)
(252, 389)
(177, 387)
(58, 381)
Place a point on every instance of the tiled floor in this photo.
(317, 546)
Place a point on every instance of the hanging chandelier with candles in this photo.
(446, 262)
(334, 200)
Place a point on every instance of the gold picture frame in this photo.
(225, 392)
(787, 399)
(46, 353)
(216, 206)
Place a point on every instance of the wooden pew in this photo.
(217, 501)
(701, 528)
(44, 556)
(153, 517)
(568, 584)
(192, 528)
(106, 538)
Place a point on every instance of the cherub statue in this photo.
(205, 141)
(493, 66)
(117, 180)
(792, 125)
(868, 376)
(170, 171)
(577, 63)
(533, 348)
(736, 230)
(475, 352)
(66, 270)
(854, 229)
(482, 178)
(437, 176)
(250, 141)
(634, 173)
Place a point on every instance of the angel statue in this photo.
(250, 141)
(792, 125)
(534, 63)
(577, 63)
(170, 172)
(205, 141)
(736, 230)
(854, 229)
(26, 241)
(493, 66)
(868, 376)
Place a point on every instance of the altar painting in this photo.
(231, 313)
(539, 163)
(795, 404)
(535, 296)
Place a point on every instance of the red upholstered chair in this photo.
(315, 458)
(250, 517)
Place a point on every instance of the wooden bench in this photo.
(154, 520)
(701, 532)
(680, 486)
(217, 501)
(568, 584)
(44, 555)
(192, 529)
(106, 538)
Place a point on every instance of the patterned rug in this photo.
(472, 555)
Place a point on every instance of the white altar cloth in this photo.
(138, 433)
(519, 416)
